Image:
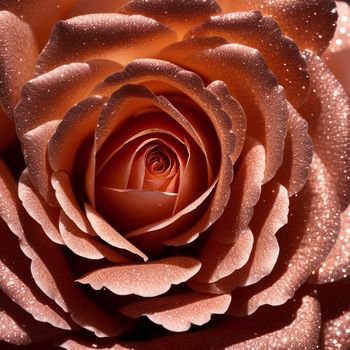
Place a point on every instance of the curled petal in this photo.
(18, 53)
(112, 36)
(310, 23)
(176, 14)
(177, 312)
(236, 63)
(262, 32)
(147, 280)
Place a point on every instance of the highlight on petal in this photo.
(178, 15)
(310, 23)
(262, 33)
(337, 264)
(147, 280)
(18, 53)
(177, 312)
(111, 36)
(328, 113)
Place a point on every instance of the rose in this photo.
(241, 224)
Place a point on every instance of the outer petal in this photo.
(115, 37)
(147, 280)
(328, 114)
(338, 53)
(180, 15)
(310, 23)
(18, 53)
(177, 312)
(262, 33)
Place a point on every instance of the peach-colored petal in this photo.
(48, 265)
(45, 100)
(17, 284)
(262, 33)
(40, 14)
(245, 189)
(247, 76)
(234, 110)
(38, 209)
(18, 53)
(337, 264)
(111, 36)
(336, 332)
(298, 152)
(84, 245)
(20, 328)
(310, 23)
(338, 52)
(220, 260)
(177, 312)
(68, 202)
(180, 15)
(78, 344)
(305, 242)
(109, 234)
(328, 114)
(78, 124)
(147, 280)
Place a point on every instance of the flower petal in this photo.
(18, 53)
(177, 312)
(262, 33)
(180, 15)
(147, 280)
(111, 36)
(245, 73)
(310, 23)
(328, 113)
(337, 264)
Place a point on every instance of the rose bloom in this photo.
(174, 174)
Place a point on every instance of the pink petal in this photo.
(147, 280)
(310, 23)
(177, 312)
(110, 36)
(262, 33)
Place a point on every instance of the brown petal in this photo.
(112, 36)
(328, 113)
(305, 242)
(177, 312)
(84, 245)
(298, 152)
(176, 14)
(17, 284)
(18, 53)
(45, 100)
(38, 209)
(310, 23)
(337, 264)
(245, 190)
(234, 110)
(40, 14)
(244, 71)
(338, 52)
(262, 33)
(51, 273)
(109, 234)
(82, 7)
(147, 280)
(20, 328)
(7, 129)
